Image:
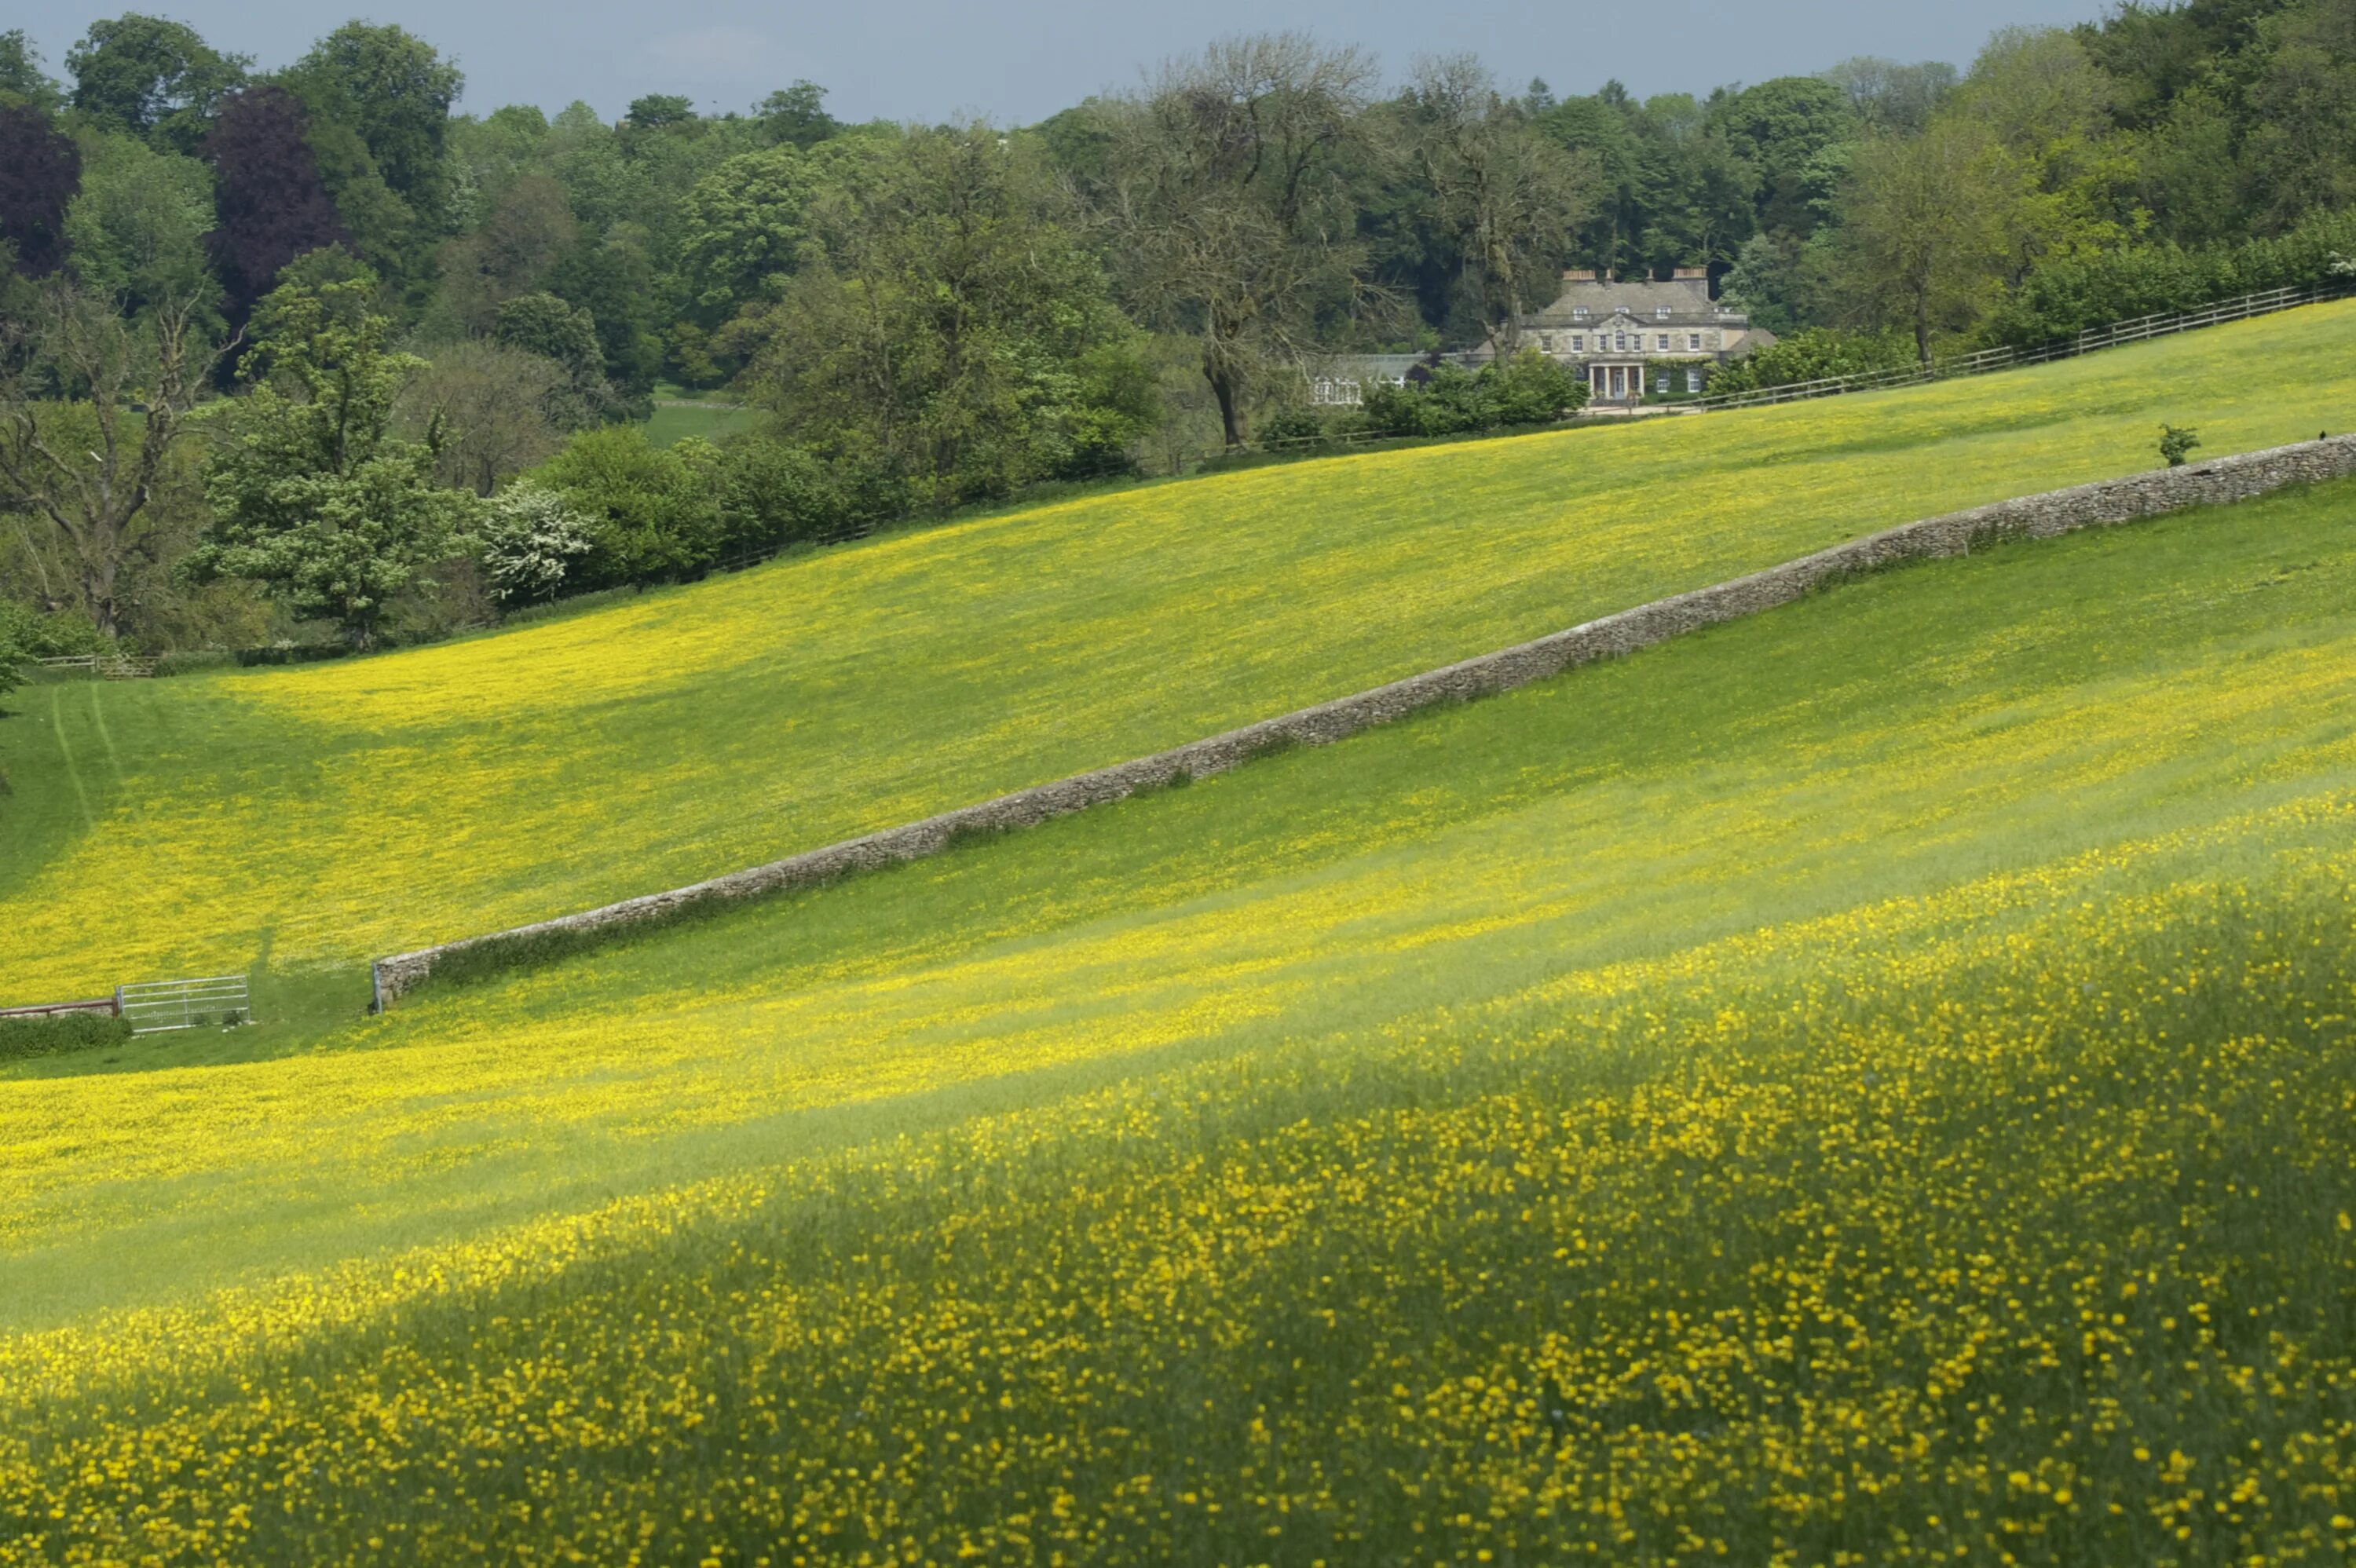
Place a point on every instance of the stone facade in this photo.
(1957, 533)
(1640, 339)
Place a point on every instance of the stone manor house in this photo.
(1644, 338)
(1635, 341)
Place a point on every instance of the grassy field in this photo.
(292, 820)
(674, 419)
(1866, 1083)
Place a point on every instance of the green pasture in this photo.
(1901, 735)
(674, 420)
(306, 818)
(1868, 1079)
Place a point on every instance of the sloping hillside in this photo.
(312, 817)
(1874, 1077)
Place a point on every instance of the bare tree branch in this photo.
(71, 377)
(1228, 205)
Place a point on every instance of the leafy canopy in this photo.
(313, 495)
(152, 78)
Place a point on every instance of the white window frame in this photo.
(1579, 343)
(1692, 379)
(1693, 342)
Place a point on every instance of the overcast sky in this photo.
(1019, 61)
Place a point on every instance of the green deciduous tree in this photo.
(1525, 389)
(1781, 129)
(650, 511)
(566, 335)
(1890, 97)
(1510, 199)
(526, 232)
(393, 91)
(796, 116)
(2300, 152)
(137, 228)
(151, 78)
(314, 496)
(486, 405)
(1231, 206)
(659, 112)
(15, 646)
(957, 336)
(743, 223)
(23, 83)
(1928, 229)
(2041, 97)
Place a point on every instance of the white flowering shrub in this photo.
(530, 540)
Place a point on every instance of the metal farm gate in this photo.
(158, 1005)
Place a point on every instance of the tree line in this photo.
(304, 345)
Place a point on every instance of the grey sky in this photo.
(1022, 60)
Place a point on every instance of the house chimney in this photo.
(1580, 275)
(1691, 274)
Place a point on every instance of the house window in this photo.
(1662, 385)
(1693, 381)
(1663, 344)
(1660, 313)
(1620, 342)
(1579, 313)
(1579, 343)
(1693, 342)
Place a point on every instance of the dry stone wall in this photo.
(1957, 533)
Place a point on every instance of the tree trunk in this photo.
(1223, 387)
(97, 592)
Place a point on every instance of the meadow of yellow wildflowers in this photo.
(296, 818)
(1867, 1085)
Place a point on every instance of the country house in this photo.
(1645, 339)
(1642, 338)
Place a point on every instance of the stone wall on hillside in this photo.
(1957, 533)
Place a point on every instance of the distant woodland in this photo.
(298, 347)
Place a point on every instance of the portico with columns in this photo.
(1640, 338)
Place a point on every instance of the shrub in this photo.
(2066, 297)
(1296, 425)
(1528, 389)
(529, 540)
(771, 493)
(1532, 389)
(650, 511)
(2176, 444)
(1816, 355)
(21, 1037)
